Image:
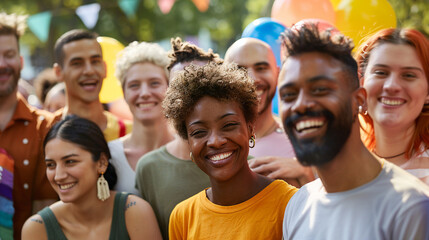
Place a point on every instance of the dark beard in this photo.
(13, 85)
(311, 152)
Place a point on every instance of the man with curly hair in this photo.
(274, 156)
(357, 195)
(24, 188)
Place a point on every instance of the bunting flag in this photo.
(89, 14)
(202, 5)
(39, 24)
(129, 7)
(165, 5)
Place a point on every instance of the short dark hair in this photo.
(224, 82)
(309, 39)
(188, 52)
(88, 136)
(70, 36)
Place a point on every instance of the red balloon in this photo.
(289, 12)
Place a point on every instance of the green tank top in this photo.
(118, 229)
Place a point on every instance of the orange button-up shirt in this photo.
(23, 140)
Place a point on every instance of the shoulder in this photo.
(136, 206)
(34, 226)
(152, 157)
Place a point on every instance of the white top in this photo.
(419, 166)
(126, 175)
(395, 205)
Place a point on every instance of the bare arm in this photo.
(140, 219)
(34, 228)
(288, 169)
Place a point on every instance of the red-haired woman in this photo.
(394, 70)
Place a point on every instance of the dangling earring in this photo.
(361, 111)
(252, 141)
(103, 191)
(192, 157)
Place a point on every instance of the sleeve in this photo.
(413, 223)
(174, 226)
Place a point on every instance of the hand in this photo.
(288, 169)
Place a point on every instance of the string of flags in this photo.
(39, 23)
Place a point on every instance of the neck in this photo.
(265, 124)
(92, 111)
(179, 148)
(353, 166)
(7, 108)
(393, 141)
(150, 137)
(242, 187)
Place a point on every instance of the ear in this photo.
(427, 100)
(360, 99)
(105, 69)
(21, 59)
(251, 129)
(102, 163)
(57, 69)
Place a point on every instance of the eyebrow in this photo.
(408, 68)
(311, 80)
(221, 117)
(64, 157)
(261, 64)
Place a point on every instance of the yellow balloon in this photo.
(111, 89)
(335, 3)
(359, 19)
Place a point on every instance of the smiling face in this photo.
(260, 62)
(71, 170)
(315, 106)
(218, 136)
(10, 64)
(396, 84)
(144, 89)
(83, 70)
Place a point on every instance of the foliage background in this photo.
(225, 20)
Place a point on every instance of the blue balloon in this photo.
(267, 30)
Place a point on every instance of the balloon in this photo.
(335, 3)
(111, 89)
(360, 18)
(321, 25)
(267, 30)
(289, 12)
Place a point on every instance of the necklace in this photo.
(390, 157)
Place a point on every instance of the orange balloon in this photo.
(289, 12)
(358, 19)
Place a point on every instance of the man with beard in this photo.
(24, 188)
(274, 156)
(79, 63)
(357, 195)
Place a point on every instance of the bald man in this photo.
(273, 152)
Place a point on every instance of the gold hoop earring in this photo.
(103, 192)
(192, 157)
(252, 142)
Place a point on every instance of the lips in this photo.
(391, 101)
(5, 73)
(146, 105)
(66, 186)
(89, 84)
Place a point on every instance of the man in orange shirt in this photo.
(24, 188)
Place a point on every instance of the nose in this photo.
(89, 69)
(302, 103)
(144, 90)
(2, 61)
(60, 173)
(392, 84)
(216, 140)
(252, 75)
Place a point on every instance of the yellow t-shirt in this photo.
(113, 128)
(260, 217)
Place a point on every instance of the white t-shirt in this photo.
(126, 175)
(395, 205)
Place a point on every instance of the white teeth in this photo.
(259, 92)
(391, 102)
(221, 156)
(300, 126)
(66, 186)
(145, 105)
